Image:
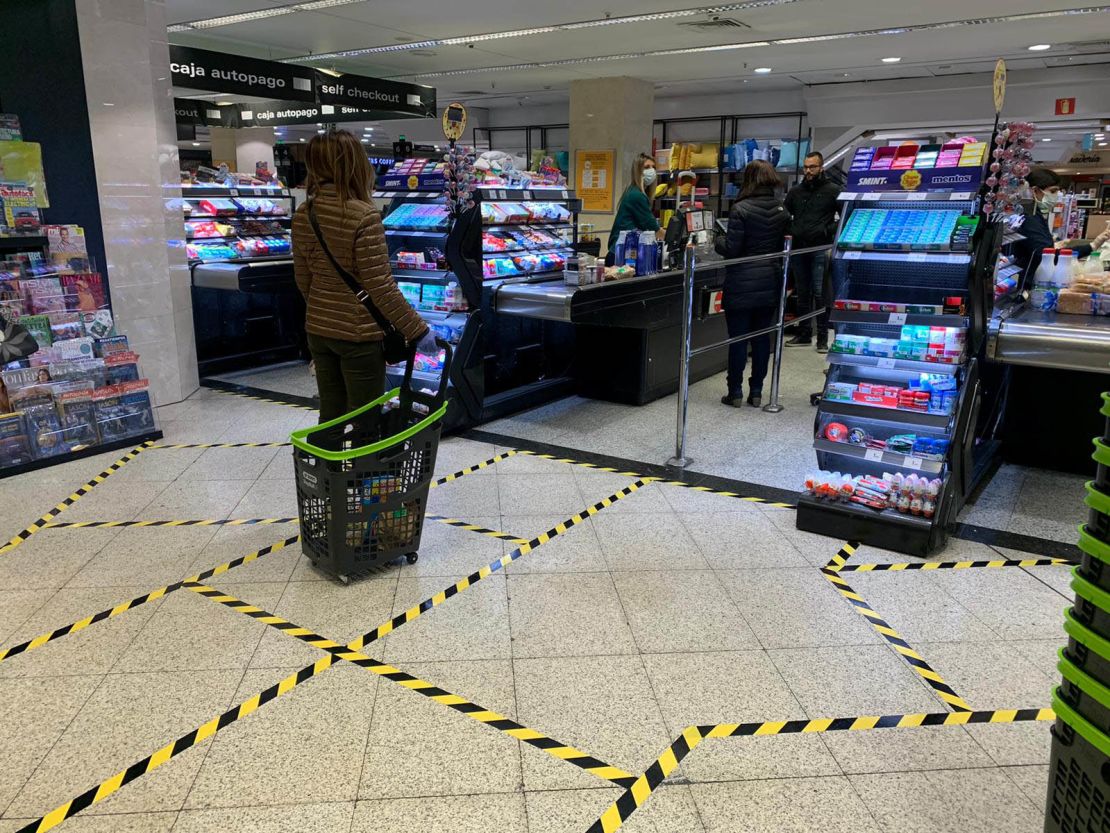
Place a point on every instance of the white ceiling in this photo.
(938, 51)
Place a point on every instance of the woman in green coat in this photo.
(634, 210)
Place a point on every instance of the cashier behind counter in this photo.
(1045, 185)
(634, 210)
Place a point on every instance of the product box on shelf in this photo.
(123, 410)
(79, 418)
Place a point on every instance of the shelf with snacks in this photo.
(445, 265)
(237, 224)
(910, 286)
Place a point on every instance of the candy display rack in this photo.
(912, 280)
(449, 268)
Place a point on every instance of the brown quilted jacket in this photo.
(357, 240)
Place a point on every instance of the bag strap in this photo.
(361, 294)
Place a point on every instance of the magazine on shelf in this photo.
(15, 450)
(66, 325)
(79, 418)
(43, 295)
(44, 430)
(84, 291)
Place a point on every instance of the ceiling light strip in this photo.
(541, 30)
(260, 14)
(923, 27)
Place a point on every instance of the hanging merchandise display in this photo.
(1011, 159)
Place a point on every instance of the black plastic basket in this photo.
(1086, 650)
(1092, 604)
(1078, 775)
(363, 479)
(1089, 697)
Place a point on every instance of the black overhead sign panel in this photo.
(221, 73)
(294, 94)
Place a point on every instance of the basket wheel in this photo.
(344, 579)
(412, 557)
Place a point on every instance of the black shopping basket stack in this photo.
(1079, 774)
(363, 479)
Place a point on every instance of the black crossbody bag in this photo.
(394, 345)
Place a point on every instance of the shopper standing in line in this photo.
(812, 206)
(634, 209)
(757, 224)
(344, 339)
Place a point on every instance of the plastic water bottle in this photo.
(1045, 290)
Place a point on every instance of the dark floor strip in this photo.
(768, 493)
(261, 393)
(966, 532)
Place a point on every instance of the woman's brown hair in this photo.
(337, 158)
(758, 175)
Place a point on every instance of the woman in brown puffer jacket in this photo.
(345, 341)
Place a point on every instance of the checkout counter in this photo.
(628, 332)
(246, 314)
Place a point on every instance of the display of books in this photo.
(79, 418)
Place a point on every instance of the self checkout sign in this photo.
(454, 121)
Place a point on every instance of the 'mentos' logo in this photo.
(950, 179)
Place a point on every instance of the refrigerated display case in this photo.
(912, 279)
(450, 266)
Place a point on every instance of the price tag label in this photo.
(874, 197)
(886, 363)
(918, 257)
(564, 194)
(285, 192)
(912, 463)
(961, 195)
(917, 196)
(848, 196)
(527, 195)
(875, 455)
(853, 255)
(234, 192)
(898, 318)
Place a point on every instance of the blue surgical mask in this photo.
(649, 176)
(1048, 201)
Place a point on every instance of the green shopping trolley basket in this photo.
(363, 479)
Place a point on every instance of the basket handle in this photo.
(409, 394)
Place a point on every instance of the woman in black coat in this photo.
(757, 224)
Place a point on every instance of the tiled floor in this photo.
(668, 608)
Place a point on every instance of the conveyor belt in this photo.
(1048, 339)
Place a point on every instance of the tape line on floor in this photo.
(219, 445)
(153, 595)
(73, 498)
(485, 464)
(953, 565)
(204, 522)
(171, 750)
(637, 795)
(481, 530)
(893, 638)
(485, 572)
(649, 479)
(474, 711)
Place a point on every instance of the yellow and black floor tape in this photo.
(649, 479)
(153, 595)
(481, 530)
(953, 565)
(219, 445)
(832, 573)
(73, 498)
(257, 398)
(637, 795)
(204, 522)
(485, 572)
(483, 715)
(485, 464)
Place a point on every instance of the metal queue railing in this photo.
(680, 460)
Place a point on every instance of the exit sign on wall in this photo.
(1065, 106)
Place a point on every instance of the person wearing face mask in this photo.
(1045, 185)
(634, 210)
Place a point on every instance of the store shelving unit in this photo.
(242, 220)
(501, 364)
(914, 279)
(724, 130)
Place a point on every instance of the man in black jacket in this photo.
(812, 206)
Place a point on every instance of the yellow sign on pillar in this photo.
(594, 172)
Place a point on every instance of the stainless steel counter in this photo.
(1048, 339)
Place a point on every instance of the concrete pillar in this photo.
(611, 113)
(125, 59)
(242, 148)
